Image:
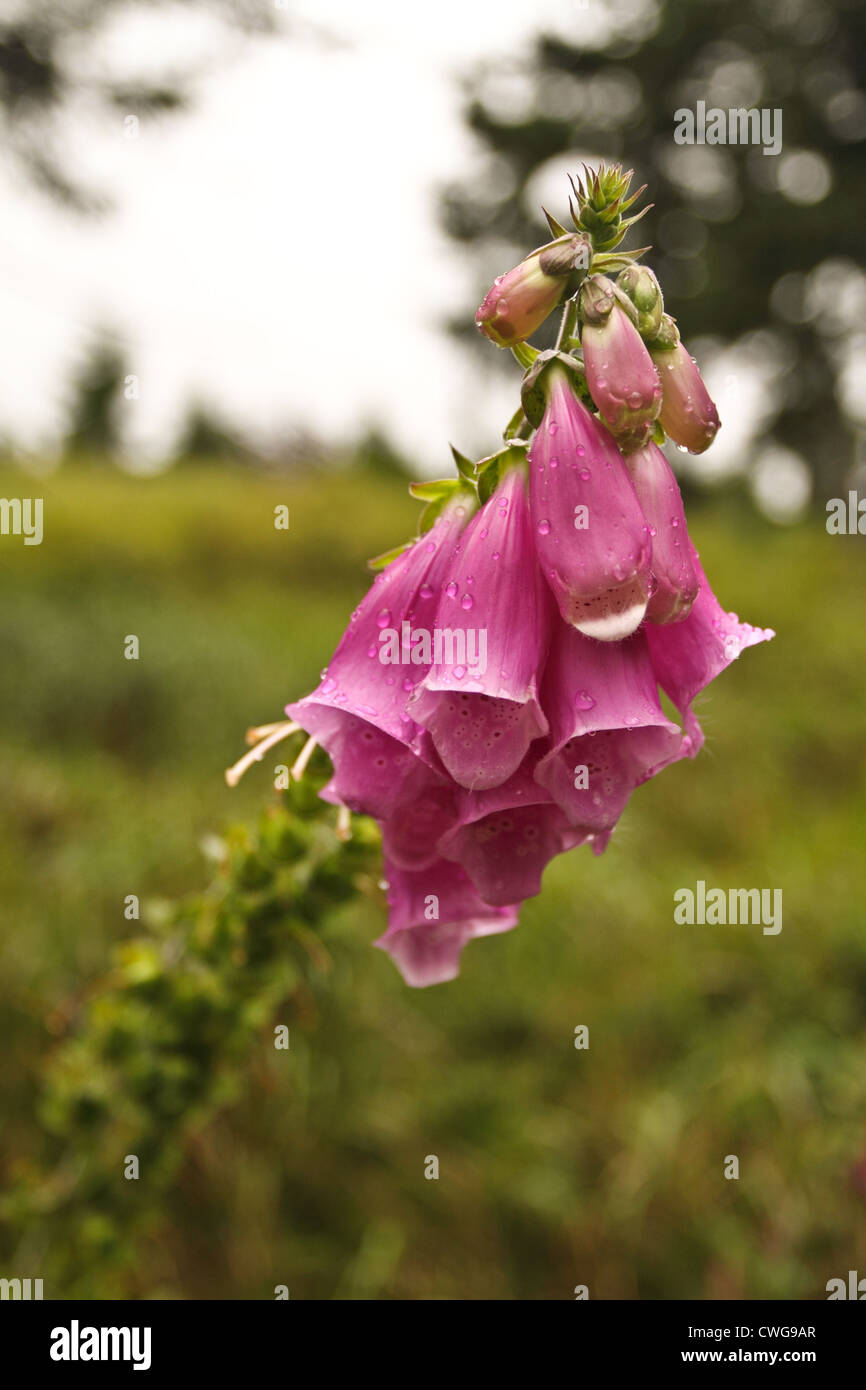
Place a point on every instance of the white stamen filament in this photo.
(277, 733)
(262, 731)
(344, 823)
(298, 768)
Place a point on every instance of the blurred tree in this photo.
(205, 438)
(42, 73)
(766, 251)
(93, 423)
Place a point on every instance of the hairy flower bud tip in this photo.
(518, 303)
(688, 414)
(620, 373)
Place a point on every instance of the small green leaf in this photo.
(432, 491)
(556, 228)
(465, 467)
(525, 354)
(514, 426)
(381, 562)
(488, 479)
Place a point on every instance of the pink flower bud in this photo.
(688, 414)
(519, 302)
(620, 373)
(676, 583)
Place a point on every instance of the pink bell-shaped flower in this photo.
(591, 537)
(433, 912)
(479, 699)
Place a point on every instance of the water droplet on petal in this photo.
(544, 528)
(466, 602)
(383, 618)
(584, 701)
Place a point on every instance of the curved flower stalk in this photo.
(495, 701)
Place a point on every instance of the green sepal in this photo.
(668, 336)
(434, 489)
(465, 467)
(532, 397)
(533, 394)
(556, 228)
(381, 562)
(659, 435)
(525, 354)
(607, 263)
(492, 470)
(438, 495)
(515, 425)
(488, 480)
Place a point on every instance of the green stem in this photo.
(567, 326)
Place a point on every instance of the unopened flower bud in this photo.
(674, 575)
(620, 373)
(688, 414)
(519, 302)
(642, 288)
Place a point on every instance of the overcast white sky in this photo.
(299, 194)
(242, 232)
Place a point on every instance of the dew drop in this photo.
(544, 528)
(451, 589)
(584, 701)
(466, 602)
(383, 618)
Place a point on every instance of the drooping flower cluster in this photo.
(494, 701)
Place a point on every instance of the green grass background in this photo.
(558, 1167)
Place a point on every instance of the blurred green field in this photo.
(558, 1167)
